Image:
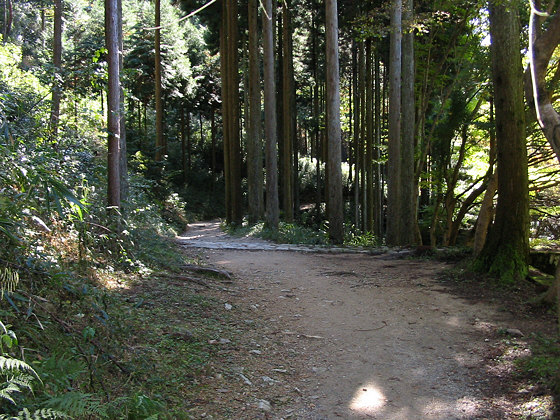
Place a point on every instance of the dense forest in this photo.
(428, 124)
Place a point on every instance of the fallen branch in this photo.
(209, 270)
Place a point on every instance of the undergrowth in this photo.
(543, 364)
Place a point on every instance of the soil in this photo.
(342, 334)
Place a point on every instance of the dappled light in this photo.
(368, 399)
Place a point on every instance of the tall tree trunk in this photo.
(57, 63)
(160, 152)
(506, 252)
(213, 130)
(408, 207)
(369, 93)
(254, 143)
(394, 142)
(235, 139)
(189, 141)
(113, 103)
(486, 213)
(356, 133)
(378, 187)
(272, 210)
(362, 70)
(226, 114)
(229, 38)
(335, 204)
(183, 130)
(288, 113)
(123, 161)
(8, 17)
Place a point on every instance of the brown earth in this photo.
(322, 334)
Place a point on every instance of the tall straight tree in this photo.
(288, 113)
(157, 75)
(254, 143)
(272, 205)
(232, 140)
(394, 141)
(505, 254)
(408, 196)
(113, 103)
(57, 64)
(123, 163)
(334, 202)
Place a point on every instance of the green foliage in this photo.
(543, 365)
(355, 237)
(16, 375)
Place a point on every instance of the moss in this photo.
(507, 265)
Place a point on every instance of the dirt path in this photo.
(350, 336)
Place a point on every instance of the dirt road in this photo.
(349, 336)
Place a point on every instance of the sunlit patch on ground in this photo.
(538, 408)
(368, 399)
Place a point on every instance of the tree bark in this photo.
(486, 212)
(229, 39)
(369, 139)
(272, 209)
(288, 113)
(542, 46)
(356, 135)
(113, 104)
(123, 160)
(160, 152)
(506, 252)
(407, 225)
(57, 64)
(254, 143)
(335, 204)
(394, 141)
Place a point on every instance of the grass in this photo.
(543, 365)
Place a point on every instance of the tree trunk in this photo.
(356, 134)
(377, 178)
(272, 210)
(394, 142)
(368, 141)
(57, 64)
(288, 113)
(407, 223)
(113, 103)
(123, 161)
(486, 212)
(233, 96)
(505, 254)
(363, 133)
(160, 152)
(335, 204)
(254, 144)
(230, 111)
(183, 130)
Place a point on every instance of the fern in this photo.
(16, 365)
(8, 281)
(78, 404)
(42, 414)
(8, 389)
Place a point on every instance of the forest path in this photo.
(345, 336)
